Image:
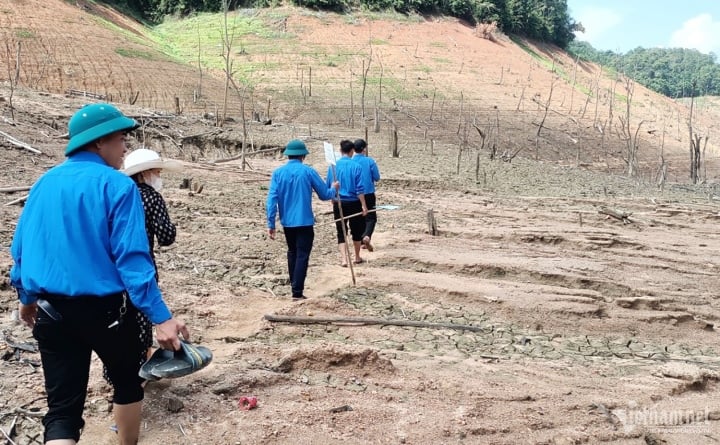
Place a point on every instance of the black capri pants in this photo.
(65, 349)
(357, 223)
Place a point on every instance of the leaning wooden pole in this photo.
(344, 230)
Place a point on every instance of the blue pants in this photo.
(300, 243)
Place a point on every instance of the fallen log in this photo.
(372, 321)
(621, 216)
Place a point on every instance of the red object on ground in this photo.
(247, 403)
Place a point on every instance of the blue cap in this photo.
(92, 122)
(296, 147)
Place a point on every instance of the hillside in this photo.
(433, 79)
(560, 302)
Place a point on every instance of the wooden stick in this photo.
(23, 188)
(17, 201)
(344, 230)
(20, 144)
(372, 321)
(7, 437)
(353, 216)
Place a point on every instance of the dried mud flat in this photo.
(580, 328)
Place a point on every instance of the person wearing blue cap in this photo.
(82, 269)
(290, 194)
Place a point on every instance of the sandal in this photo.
(359, 261)
(172, 364)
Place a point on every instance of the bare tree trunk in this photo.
(693, 164)
(364, 82)
(351, 118)
(394, 143)
(198, 93)
(13, 78)
(542, 122)
(227, 55)
(572, 92)
(432, 106)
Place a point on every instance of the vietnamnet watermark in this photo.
(663, 420)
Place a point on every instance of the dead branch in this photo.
(17, 201)
(7, 437)
(23, 188)
(20, 144)
(250, 153)
(372, 321)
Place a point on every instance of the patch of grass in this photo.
(378, 42)
(442, 60)
(438, 44)
(391, 15)
(202, 35)
(425, 69)
(544, 61)
(24, 34)
(337, 59)
(136, 53)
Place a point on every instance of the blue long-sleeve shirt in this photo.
(290, 192)
(82, 233)
(370, 171)
(349, 174)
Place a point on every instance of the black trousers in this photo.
(370, 218)
(300, 242)
(65, 349)
(357, 223)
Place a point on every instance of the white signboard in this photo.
(329, 153)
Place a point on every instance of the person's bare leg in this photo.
(343, 254)
(60, 442)
(356, 246)
(127, 418)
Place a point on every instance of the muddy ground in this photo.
(546, 321)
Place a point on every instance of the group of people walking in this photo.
(84, 267)
(350, 184)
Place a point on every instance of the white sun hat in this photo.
(144, 159)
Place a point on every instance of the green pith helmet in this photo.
(296, 147)
(94, 121)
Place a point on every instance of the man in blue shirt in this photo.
(290, 193)
(81, 256)
(371, 175)
(352, 200)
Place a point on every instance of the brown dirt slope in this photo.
(548, 321)
(432, 79)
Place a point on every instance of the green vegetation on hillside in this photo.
(546, 20)
(674, 72)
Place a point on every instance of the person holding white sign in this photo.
(352, 199)
(290, 193)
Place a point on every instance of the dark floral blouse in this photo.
(157, 220)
